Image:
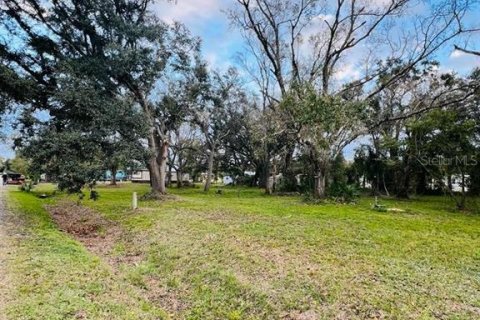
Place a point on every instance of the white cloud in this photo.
(188, 11)
(323, 17)
(204, 18)
(460, 62)
(457, 54)
(347, 72)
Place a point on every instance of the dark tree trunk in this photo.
(179, 178)
(255, 179)
(404, 188)
(422, 182)
(377, 184)
(169, 176)
(113, 180)
(461, 203)
(396, 171)
(162, 166)
(269, 179)
(319, 191)
(153, 166)
(208, 181)
(287, 170)
(180, 171)
(263, 174)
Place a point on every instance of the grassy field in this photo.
(244, 255)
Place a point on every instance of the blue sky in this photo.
(221, 43)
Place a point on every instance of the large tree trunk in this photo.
(156, 182)
(461, 203)
(162, 166)
(288, 172)
(154, 167)
(421, 182)
(208, 181)
(180, 171)
(179, 178)
(319, 191)
(269, 178)
(169, 176)
(320, 161)
(113, 180)
(404, 189)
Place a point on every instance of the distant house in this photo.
(228, 180)
(143, 176)
(119, 176)
(13, 177)
(456, 183)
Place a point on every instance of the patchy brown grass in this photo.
(77, 220)
(100, 236)
(96, 233)
(54, 277)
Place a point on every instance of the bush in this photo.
(27, 186)
(94, 195)
(286, 183)
(245, 180)
(343, 192)
(307, 183)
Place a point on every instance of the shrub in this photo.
(286, 183)
(94, 195)
(27, 186)
(343, 192)
(245, 180)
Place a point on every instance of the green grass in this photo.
(55, 277)
(244, 255)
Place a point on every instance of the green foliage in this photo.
(89, 76)
(20, 165)
(307, 183)
(338, 170)
(94, 195)
(445, 145)
(320, 117)
(343, 192)
(27, 186)
(287, 183)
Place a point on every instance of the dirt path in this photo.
(4, 251)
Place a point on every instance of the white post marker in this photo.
(134, 201)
